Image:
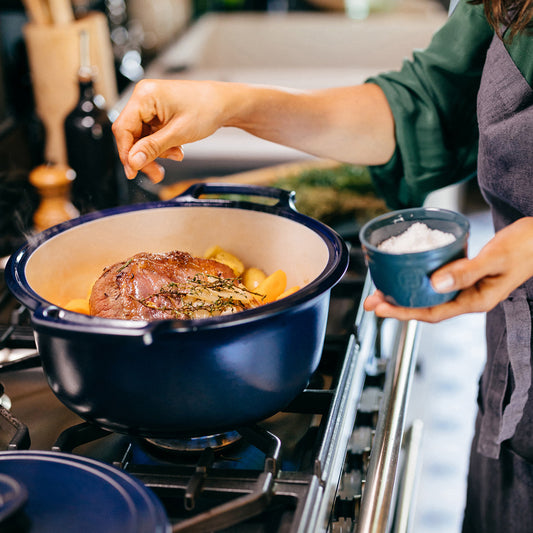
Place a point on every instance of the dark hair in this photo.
(516, 15)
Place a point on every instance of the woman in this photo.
(463, 105)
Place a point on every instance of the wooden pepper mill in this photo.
(53, 183)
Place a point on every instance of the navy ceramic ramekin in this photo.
(404, 277)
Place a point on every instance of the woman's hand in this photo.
(160, 117)
(503, 264)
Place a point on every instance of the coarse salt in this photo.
(417, 238)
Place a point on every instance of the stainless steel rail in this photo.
(379, 488)
(409, 479)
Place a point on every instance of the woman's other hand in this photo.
(503, 264)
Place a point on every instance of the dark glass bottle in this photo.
(91, 149)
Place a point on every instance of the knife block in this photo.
(54, 58)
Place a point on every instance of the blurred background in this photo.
(297, 43)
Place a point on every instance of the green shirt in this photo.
(433, 100)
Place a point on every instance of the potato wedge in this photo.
(273, 286)
(252, 277)
(219, 254)
(230, 260)
(212, 251)
(288, 292)
(78, 305)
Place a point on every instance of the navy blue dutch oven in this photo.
(178, 378)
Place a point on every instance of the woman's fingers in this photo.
(145, 130)
(483, 293)
(503, 264)
(461, 274)
(154, 170)
(125, 140)
(159, 118)
(175, 153)
(376, 302)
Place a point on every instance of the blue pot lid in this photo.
(13, 496)
(86, 494)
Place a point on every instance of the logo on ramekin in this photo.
(411, 279)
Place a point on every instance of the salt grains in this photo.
(417, 238)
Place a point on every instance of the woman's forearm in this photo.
(350, 124)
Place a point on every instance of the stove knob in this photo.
(369, 405)
(343, 525)
(359, 447)
(349, 495)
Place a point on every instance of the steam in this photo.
(21, 225)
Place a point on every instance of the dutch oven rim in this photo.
(43, 310)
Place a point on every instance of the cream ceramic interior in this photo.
(66, 266)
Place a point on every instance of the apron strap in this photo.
(496, 426)
(516, 311)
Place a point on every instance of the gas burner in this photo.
(195, 444)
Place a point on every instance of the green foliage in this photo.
(344, 193)
(343, 177)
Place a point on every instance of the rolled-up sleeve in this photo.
(433, 100)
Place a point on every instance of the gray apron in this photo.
(500, 479)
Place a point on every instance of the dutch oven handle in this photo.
(52, 316)
(285, 198)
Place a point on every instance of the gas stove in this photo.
(337, 459)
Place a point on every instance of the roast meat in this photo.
(151, 286)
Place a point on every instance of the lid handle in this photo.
(285, 198)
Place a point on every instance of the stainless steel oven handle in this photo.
(407, 488)
(379, 488)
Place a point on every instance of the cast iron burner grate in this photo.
(215, 498)
(15, 326)
(16, 333)
(14, 435)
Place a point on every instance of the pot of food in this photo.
(179, 377)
